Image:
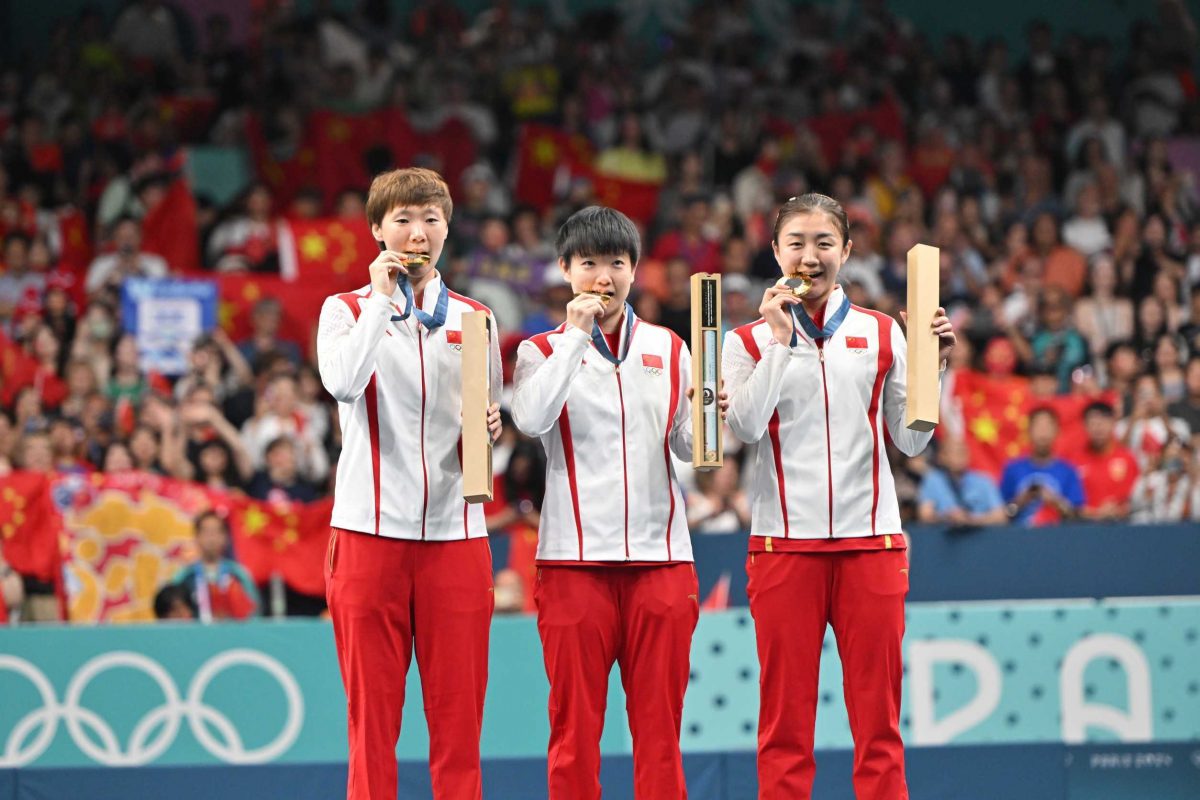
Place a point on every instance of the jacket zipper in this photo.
(828, 445)
(624, 459)
(424, 471)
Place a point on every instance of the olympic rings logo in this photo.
(144, 744)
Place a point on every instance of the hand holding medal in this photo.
(588, 307)
(777, 303)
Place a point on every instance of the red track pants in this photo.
(792, 597)
(385, 595)
(643, 619)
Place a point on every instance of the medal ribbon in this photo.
(602, 346)
(831, 324)
(437, 320)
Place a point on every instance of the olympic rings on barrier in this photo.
(155, 732)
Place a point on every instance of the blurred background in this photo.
(183, 183)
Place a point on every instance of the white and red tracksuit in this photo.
(615, 578)
(826, 544)
(409, 562)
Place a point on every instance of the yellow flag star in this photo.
(339, 131)
(985, 429)
(254, 520)
(313, 246)
(545, 151)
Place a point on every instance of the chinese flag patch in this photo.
(454, 337)
(856, 343)
(652, 361)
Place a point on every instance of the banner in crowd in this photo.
(269, 692)
(836, 128)
(992, 413)
(29, 525)
(125, 535)
(288, 538)
(19, 369)
(548, 158)
(300, 304)
(334, 152)
(76, 253)
(170, 228)
(167, 315)
(318, 258)
(333, 253)
(989, 412)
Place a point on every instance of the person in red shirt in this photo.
(1107, 468)
(688, 241)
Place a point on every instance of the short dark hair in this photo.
(1113, 347)
(210, 514)
(169, 595)
(278, 442)
(1099, 407)
(598, 230)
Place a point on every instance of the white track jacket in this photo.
(608, 432)
(399, 392)
(814, 418)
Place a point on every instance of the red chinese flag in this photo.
(46, 157)
(334, 253)
(1072, 435)
(76, 244)
(542, 150)
(929, 167)
(397, 135)
(288, 538)
(636, 199)
(835, 128)
(188, 115)
(18, 369)
(30, 525)
(169, 229)
(654, 361)
(340, 144)
(453, 145)
(285, 176)
(301, 303)
(994, 418)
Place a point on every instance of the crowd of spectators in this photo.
(1059, 179)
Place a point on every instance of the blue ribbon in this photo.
(602, 345)
(831, 324)
(439, 311)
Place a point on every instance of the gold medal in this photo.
(799, 284)
(604, 298)
(416, 259)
